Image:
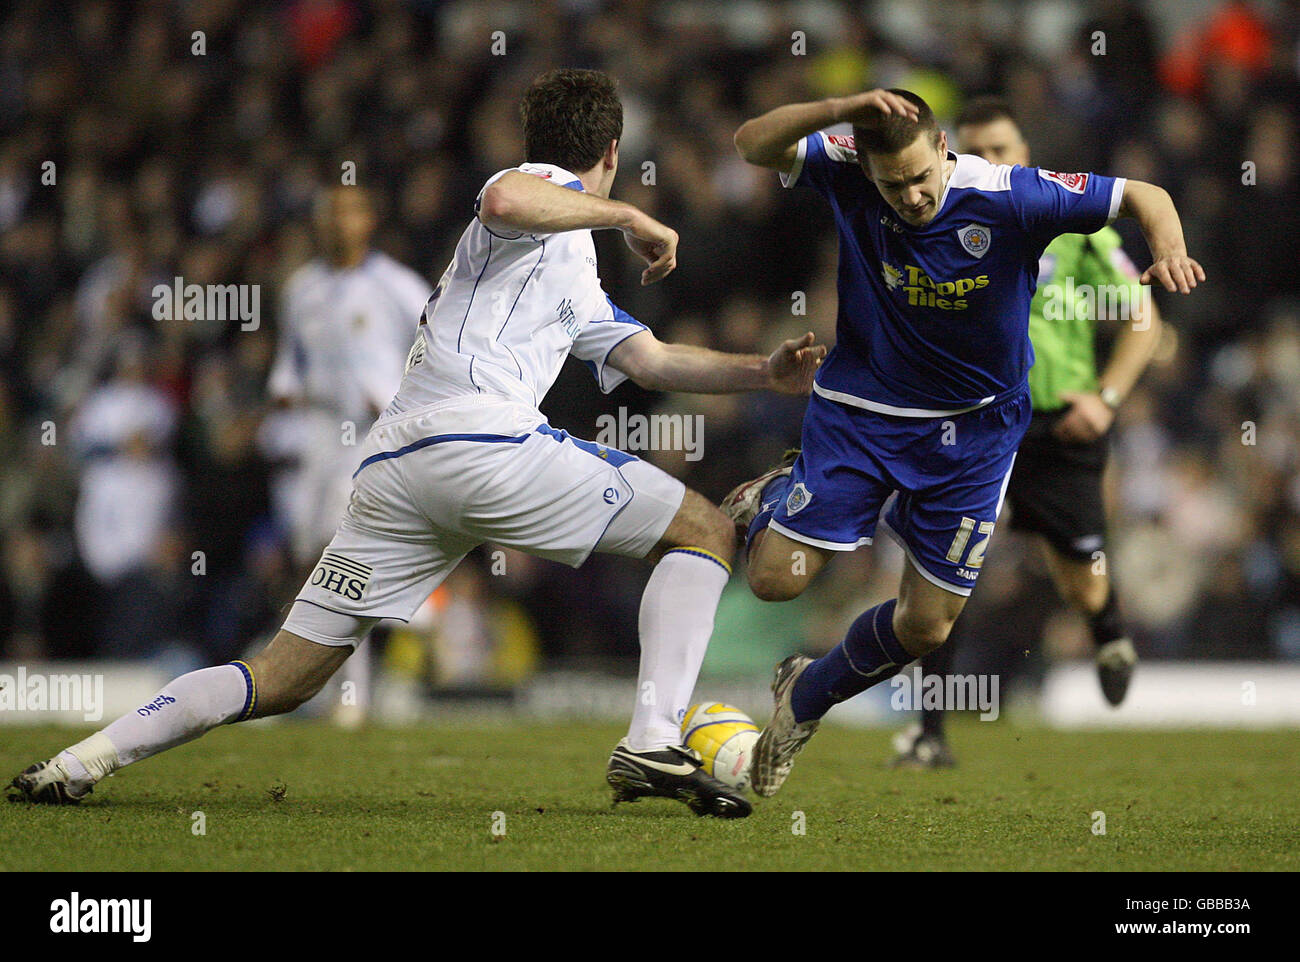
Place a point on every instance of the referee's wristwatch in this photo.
(1111, 397)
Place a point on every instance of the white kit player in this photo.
(462, 456)
(346, 322)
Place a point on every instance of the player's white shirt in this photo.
(463, 456)
(345, 333)
(508, 310)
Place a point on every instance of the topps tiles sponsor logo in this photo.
(77, 916)
(922, 290)
(653, 432)
(915, 690)
(40, 692)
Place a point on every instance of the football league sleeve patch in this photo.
(1053, 203)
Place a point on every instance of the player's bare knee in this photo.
(700, 524)
(922, 633)
(1088, 596)
(773, 584)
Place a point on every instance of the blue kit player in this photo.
(919, 408)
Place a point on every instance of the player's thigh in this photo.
(290, 670)
(385, 559)
(953, 492)
(836, 488)
(780, 568)
(832, 501)
(561, 498)
(322, 483)
(1056, 492)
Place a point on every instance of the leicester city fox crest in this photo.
(975, 238)
(798, 499)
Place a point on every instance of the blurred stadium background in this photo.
(130, 443)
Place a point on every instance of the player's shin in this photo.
(187, 707)
(676, 620)
(1105, 624)
(869, 654)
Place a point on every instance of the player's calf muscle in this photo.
(290, 670)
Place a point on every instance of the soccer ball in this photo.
(724, 736)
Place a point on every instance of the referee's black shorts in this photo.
(1055, 489)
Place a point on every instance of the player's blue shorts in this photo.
(950, 474)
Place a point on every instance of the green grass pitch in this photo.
(303, 796)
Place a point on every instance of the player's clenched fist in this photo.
(655, 244)
(791, 367)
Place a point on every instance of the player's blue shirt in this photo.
(935, 319)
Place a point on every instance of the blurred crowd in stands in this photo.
(141, 492)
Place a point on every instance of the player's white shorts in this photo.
(433, 484)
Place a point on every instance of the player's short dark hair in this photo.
(570, 116)
(895, 132)
(985, 110)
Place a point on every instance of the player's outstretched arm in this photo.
(519, 201)
(1155, 213)
(696, 370)
(772, 140)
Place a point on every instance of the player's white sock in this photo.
(676, 621)
(186, 708)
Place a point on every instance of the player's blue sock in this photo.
(773, 494)
(869, 654)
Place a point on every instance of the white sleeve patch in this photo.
(1116, 198)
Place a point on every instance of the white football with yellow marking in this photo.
(724, 736)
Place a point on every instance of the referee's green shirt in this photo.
(1076, 274)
